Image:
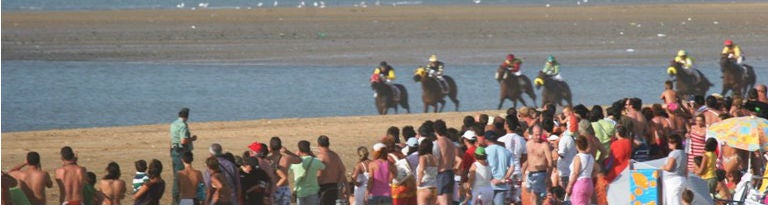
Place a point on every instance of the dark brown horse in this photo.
(686, 83)
(512, 87)
(733, 76)
(431, 91)
(554, 91)
(385, 96)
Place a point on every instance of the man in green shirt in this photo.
(305, 176)
(181, 141)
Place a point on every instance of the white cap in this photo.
(553, 137)
(378, 146)
(470, 135)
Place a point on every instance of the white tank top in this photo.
(587, 163)
(482, 176)
(362, 178)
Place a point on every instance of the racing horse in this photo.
(733, 76)
(387, 97)
(432, 92)
(686, 83)
(512, 87)
(554, 91)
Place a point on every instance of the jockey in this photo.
(734, 53)
(687, 64)
(552, 68)
(435, 68)
(512, 64)
(385, 71)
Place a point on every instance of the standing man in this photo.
(181, 141)
(33, 180)
(539, 164)
(500, 161)
(71, 178)
(305, 176)
(446, 160)
(230, 172)
(281, 160)
(332, 177)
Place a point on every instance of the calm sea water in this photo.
(12, 5)
(39, 95)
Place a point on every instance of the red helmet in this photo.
(728, 42)
(511, 57)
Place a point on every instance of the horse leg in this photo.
(501, 102)
(455, 102)
(395, 108)
(426, 107)
(442, 105)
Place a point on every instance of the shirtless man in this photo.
(712, 114)
(669, 95)
(282, 159)
(446, 160)
(189, 180)
(70, 177)
(539, 164)
(32, 180)
(333, 175)
(112, 187)
(640, 128)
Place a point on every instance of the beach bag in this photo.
(404, 170)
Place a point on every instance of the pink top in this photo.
(380, 186)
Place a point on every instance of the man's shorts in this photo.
(282, 195)
(538, 182)
(445, 182)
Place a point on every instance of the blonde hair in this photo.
(362, 153)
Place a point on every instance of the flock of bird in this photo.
(303, 4)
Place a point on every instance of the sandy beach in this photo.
(335, 36)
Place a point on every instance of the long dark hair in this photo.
(113, 171)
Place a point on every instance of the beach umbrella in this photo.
(745, 133)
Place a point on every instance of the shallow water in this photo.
(39, 95)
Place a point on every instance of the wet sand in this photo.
(346, 36)
(586, 35)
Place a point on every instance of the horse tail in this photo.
(404, 97)
(453, 90)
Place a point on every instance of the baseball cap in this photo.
(470, 135)
(256, 147)
(378, 146)
(480, 151)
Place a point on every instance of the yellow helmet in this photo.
(432, 58)
(682, 53)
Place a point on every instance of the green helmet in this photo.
(551, 59)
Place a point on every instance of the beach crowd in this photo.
(523, 156)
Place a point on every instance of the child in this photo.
(480, 179)
(89, 191)
(555, 196)
(141, 177)
(722, 189)
(706, 169)
(687, 197)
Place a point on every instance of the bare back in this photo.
(334, 168)
(70, 179)
(113, 191)
(33, 182)
(448, 152)
(538, 156)
(283, 162)
(188, 181)
(669, 96)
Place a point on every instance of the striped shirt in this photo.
(139, 180)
